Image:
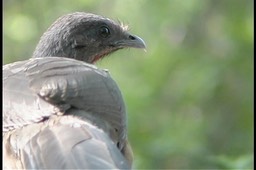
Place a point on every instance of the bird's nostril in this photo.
(132, 37)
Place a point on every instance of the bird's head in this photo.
(86, 37)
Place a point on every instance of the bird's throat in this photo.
(103, 53)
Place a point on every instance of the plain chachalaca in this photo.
(59, 110)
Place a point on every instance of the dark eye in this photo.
(104, 32)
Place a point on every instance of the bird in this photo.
(60, 111)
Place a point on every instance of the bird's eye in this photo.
(104, 32)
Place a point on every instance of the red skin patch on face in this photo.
(102, 54)
(96, 58)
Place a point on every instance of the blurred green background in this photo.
(190, 96)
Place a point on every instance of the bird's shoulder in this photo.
(39, 87)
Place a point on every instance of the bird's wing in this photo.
(64, 142)
(37, 89)
(40, 87)
(21, 105)
(67, 81)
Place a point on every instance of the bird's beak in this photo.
(132, 41)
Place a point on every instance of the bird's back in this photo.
(62, 113)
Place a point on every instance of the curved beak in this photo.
(132, 41)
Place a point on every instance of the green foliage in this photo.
(242, 162)
(190, 96)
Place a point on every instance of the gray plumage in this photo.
(62, 113)
(86, 37)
